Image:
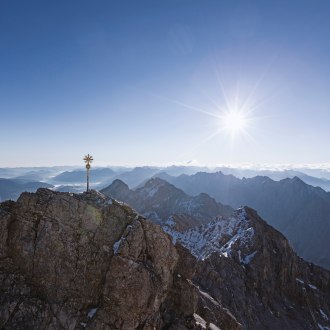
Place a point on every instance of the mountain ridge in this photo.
(12, 188)
(159, 200)
(89, 262)
(300, 211)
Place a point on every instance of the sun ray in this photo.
(207, 139)
(216, 105)
(235, 115)
(187, 106)
(224, 93)
(258, 83)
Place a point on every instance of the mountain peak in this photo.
(158, 200)
(297, 180)
(155, 182)
(117, 186)
(100, 265)
(155, 186)
(95, 264)
(298, 210)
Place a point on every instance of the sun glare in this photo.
(234, 121)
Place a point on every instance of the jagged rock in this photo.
(140, 275)
(72, 261)
(188, 307)
(250, 269)
(86, 261)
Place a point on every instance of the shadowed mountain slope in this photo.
(277, 175)
(299, 211)
(12, 188)
(159, 200)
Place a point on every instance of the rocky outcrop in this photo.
(263, 282)
(85, 261)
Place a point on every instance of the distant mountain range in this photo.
(139, 175)
(103, 176)
(159, 200)
(28, 172)
(12, 188)
(278, 175)
(299, 211)
(79, 176)
(133, 177)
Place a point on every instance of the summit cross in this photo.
(88, 160)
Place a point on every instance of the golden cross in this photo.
(88, 159)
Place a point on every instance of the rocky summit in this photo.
(86, 261)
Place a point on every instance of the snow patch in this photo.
(239, 255)
(300, 280)
(92, 312)
(248, 258)
(312, 286)
(117, 245)
(188, 206)
(200, 321)
(325, 316)
(170, 222)
(151, 191)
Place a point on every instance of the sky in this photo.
(147, 82)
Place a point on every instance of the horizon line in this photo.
(252, 166)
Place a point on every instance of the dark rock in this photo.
(86, 261)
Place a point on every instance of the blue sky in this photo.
(131, 81)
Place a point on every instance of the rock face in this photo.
(88, 262)
(85, 261)
(158, 200)
(251, 269)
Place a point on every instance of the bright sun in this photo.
(234, 121)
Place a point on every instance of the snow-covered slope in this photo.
(219, 235)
